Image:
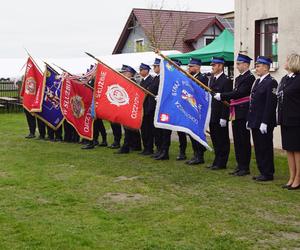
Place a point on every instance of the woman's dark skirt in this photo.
(290, 137)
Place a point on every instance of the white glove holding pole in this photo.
(217, 96)
(263, 128)
(247, 127)
(223, 123)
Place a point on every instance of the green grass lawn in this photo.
(57, 196)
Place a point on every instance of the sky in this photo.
(67, 28)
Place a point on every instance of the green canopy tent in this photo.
(222, 46)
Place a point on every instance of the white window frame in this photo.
(206, 38)
(274, 65)
(138, 40)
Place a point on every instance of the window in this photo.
(266, 39)
(208, 40)
(139, 45)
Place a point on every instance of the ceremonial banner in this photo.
(51, 113)
(75, 103)
(33, 87)
(182, 105)
(117, 99)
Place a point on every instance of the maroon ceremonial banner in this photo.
(75, 104)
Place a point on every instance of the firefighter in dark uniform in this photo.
(194, 68)
(132, 138)
(218, 125)
(149, 107)
(158, 132)
(54, 135)
(31, 121)
(117, 134)
(41, 129)
(239, 100)
(262, 118)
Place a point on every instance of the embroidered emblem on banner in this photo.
(30, 86)
(77, 106)
(117, 95)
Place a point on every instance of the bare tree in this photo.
(160, 26)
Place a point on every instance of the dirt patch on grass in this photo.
(124, 197)
(3, 174)
(124, 178)
(290, 235)
(280, 219)
(64, 165)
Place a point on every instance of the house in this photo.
(270, 28)
(184, 31)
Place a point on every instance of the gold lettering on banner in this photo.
(67, 97)
(135, 107)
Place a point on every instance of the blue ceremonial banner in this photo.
(51, 113)
(182, 105)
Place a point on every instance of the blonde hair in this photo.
(293, 62)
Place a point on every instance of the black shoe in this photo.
(30, 136)
(114, 146)
(163, 156)
(286, 186)
(135, 148)
(294, 188)
(146, 153)
(88, 146)
(195, 161)
(235, 171)
(264, 178)
(210, 166)
(158, 153)
(96, 143)
(58, 140)
(122, 151)
(242, 173)
(41, 137)
(181, 157)
(218, 167)
(103, 144)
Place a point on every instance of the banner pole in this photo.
(33, 61)
(157, 51)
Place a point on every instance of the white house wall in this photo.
(209, 32)
(136, 33)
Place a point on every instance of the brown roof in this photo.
(168, 25)
(197, 28)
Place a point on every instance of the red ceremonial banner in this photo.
(33, 87)
(75, 103)
(117, 99)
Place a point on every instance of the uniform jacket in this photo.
(149, 102)
(242, 88)
(263, 103)
(202, 78)
(289, 101)
(218, 109)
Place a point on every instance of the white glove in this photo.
(263, 128)
(223, 123)
(217, 96)
(247, 126)
(156, 98)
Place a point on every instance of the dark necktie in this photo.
(212, 81)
